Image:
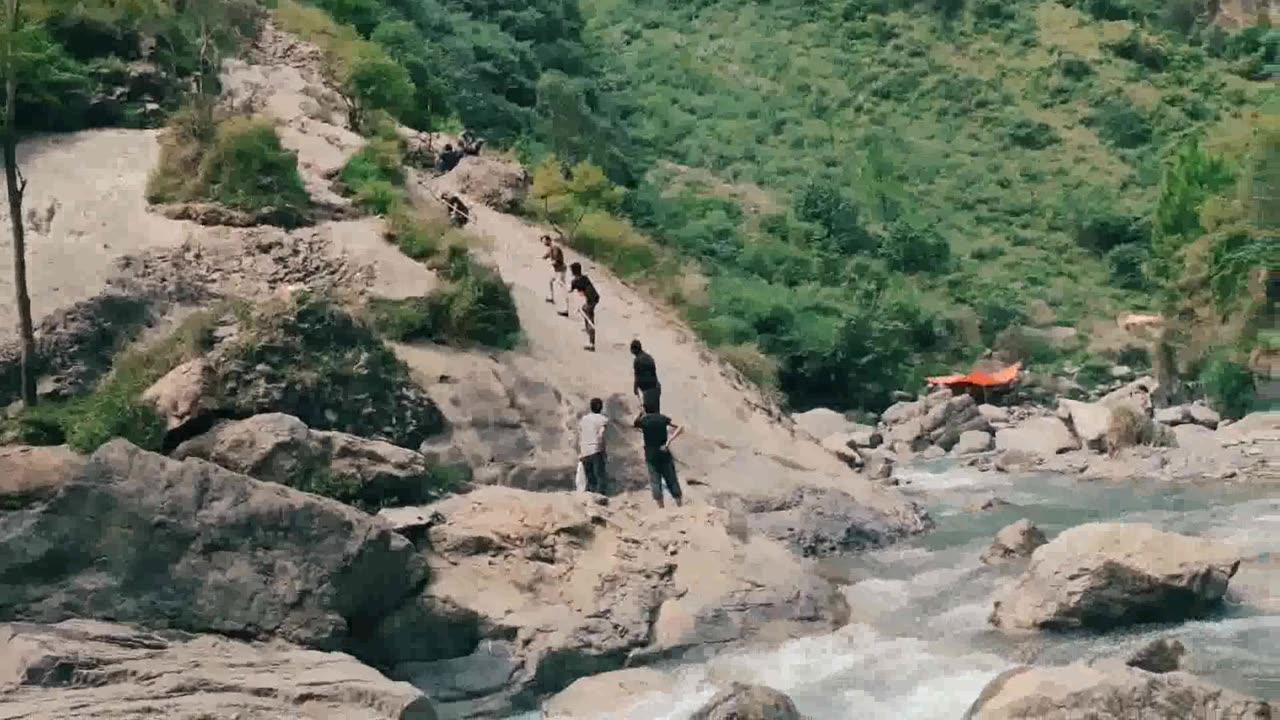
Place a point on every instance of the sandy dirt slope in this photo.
(85, 208)
(736, 438)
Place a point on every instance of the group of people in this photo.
(449, 158)
(658, 430)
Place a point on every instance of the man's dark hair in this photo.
(576, 268)
(636, 348)
(597, 405)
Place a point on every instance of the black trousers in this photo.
(651, 398)
(662, 470)
(594, 467)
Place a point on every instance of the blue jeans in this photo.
(662, 469)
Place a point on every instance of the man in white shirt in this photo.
(591, 450)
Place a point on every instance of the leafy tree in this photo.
(424, 64)
(1127, 265)
(375, 82)
(824, 202)
(912, 247)
(1191, 178)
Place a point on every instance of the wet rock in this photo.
(574, 588)
(991, 502)
(748, 702)
(822, 423)
(54, 672)
(1018, 540)
(140, 538)
(1108, 689)
(605, 695)
(1041, 436)
(1107, 575)
(369, 474)
(1158, 656)
(973, 441)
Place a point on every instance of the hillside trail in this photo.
(735, 438)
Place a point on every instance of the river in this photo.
(919, 647)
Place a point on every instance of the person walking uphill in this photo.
(591, 450)
(555, 254)
(647, 387)
(590, 298)
(657, 453)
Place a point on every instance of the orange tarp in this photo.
(981, 379)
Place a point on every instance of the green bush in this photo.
(1032, 134)
(911, 248)
(1137, 48)
(1099, 229)
(1119, 123)
(475, 307)
(379, 197)
(379, 160)
(414, 234)
(1230, 385)
(247, 168)
(1127, 265)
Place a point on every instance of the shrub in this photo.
(1118, 123)
(1137, 48)
(824, 202)
(379, 160)
(1127, 265)
(1229, 384)
(379, 197)
(754, 365)
(1032, 134)
(910, 248)
(247, 168)
(1127, 428)
(1099, 229)
(414, 232)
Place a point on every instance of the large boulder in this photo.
(901, 412)
(973, 441)
(31, 474)
(562, 586)
(140, 538)
(1106, 575)
(1018, 540)
(1189, 414)
(748, 702)
(1135, 395)
(1090, 421)
(369, 474)
(1108, 689)
(605, 695)
(91, 669)
(499, 183)
(1041, 436)
(822, 423)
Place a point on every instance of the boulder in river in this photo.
(1109, 689)
(1041, 436)
(560, 587)
(1090, 422)
(1107, 575)
(137, 537)
(1018, 540)
(605, 695)
(748, 702)
(1158, 656)
(56, 672)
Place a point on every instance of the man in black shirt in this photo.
(647, 387)
(590, 298)
(555, 254)
(657, 453)
(449, 159)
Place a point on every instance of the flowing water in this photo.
(919, 647)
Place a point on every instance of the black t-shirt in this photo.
(654, 427)
(646, 371)
(583, 285)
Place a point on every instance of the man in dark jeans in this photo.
(591, 450)
(657, 453)
(590, 298)
(647, 387)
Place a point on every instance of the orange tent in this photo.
(998, 378)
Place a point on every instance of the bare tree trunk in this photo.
(16, 187)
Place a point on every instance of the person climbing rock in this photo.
(590, 298)
(449, 159)
(646, 387)
(470, 143)
(591, 449)
(657, 453)
(555, 254)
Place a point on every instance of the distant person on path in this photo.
(591, 449)
(657, 453)
(459, 213)
(555, 254)
(647, 387)
(590, 298)
(449, 159)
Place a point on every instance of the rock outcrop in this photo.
(90, 669)
(560, 586)
(1189, 415)
(1106, 575)
(1041, 437)
(141, 538)
(1018, 540)
(1158, 656)
(501, 184)
(607, 695)
(939, 420)
(31, 474)
(748, 702)
(822, 423)
(369, 474)
(973, 441)
(1109, 689)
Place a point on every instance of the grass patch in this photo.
(474, 307)
(238, 162)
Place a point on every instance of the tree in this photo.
(11, 64)
(376, 82)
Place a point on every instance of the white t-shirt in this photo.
(591, 434)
